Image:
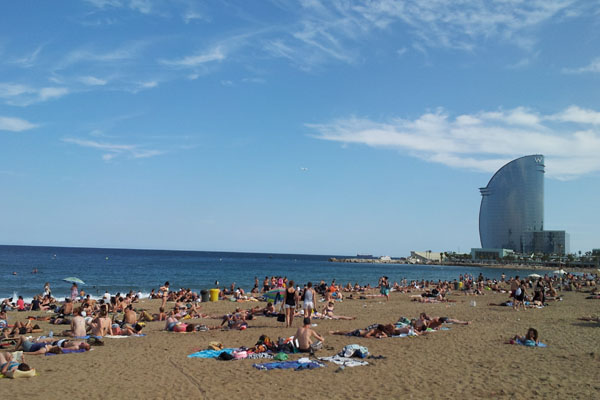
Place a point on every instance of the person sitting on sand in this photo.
(129, 316)
(78, 328)
(304, 336)
(102, 325)
(531, 335)
(8, 365)
(328, 312)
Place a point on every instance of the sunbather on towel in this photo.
(372, 331)
(426, 322)
(48, 345)
(7, 364)
(531, 335)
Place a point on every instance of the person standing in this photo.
(47, 291)
(290, 304)
(309, 300)
(74, 292)
(165, 293)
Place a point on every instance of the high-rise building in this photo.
(512, 210)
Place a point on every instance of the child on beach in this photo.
(530, 338)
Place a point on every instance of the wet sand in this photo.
(466, 361)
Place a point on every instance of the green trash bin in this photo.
(205, 295)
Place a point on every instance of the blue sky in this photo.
(330, 127)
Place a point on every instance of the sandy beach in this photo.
(465, 361)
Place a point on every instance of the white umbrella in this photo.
(534, 276)
(559, 272)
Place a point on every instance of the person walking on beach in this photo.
(384, 287)
(290, 304)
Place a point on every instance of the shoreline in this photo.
(592, 269)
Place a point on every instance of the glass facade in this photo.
(512, 204)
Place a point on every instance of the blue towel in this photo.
(210, 353)
(295, 365)
(530, 343)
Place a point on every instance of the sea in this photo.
(25, 269)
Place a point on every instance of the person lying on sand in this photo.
(127, 330)
(48, 345)
(426, 322)
(8, 365)
(589, 319)
(20, 328)
(372, 331)
(532, 335)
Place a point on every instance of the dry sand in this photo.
(465, 361)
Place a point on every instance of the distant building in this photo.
(512, 210)
(490, 254)
(420, 257)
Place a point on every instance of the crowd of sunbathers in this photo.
(415, 327)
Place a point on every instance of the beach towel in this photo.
(530, 343)
(210, 353)
(302, 364)
(345, 361)
(124, 336)
(67, 351)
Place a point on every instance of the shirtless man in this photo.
(304, 335)
(48, 345)
(77, 325)
(129, 316)
(102, 325)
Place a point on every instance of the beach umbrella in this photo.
(275, 294)
(72, 279)
(534, 276)
(559, 272)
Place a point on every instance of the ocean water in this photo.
(121, 270)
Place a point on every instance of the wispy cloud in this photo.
(592, 67)
(23, 95)
(122, 53)
(92, 81)
(484, 141)
(113, 150)
(215, 54)
(333, 30)
(28, 60)
(15, 124)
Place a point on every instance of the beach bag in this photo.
(225, 356)
(354, 350)
(280, 317)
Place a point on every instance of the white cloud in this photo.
(113, 150)
(23, 95)
(92, 81)
(15, 124)
(125, 52)
(148, 84)
(28, 60)
(592, 67)
(215, 54)
(483, 141)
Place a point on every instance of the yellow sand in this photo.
(463, 362)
